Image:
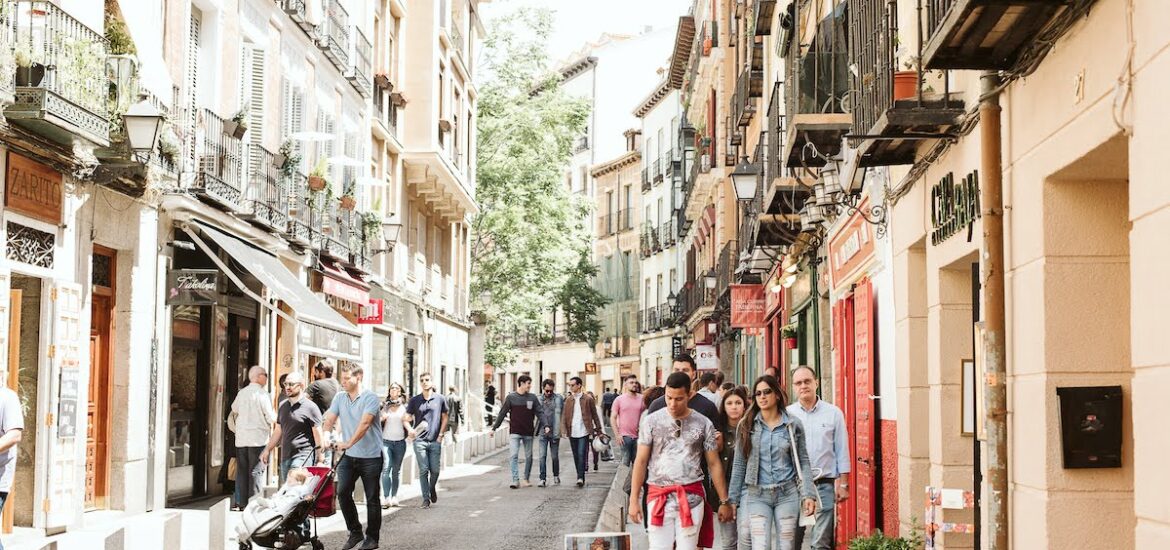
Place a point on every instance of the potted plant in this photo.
(168, 147)
(880, 541)
(788, 333)
(28, 73)
(371, 224)
(348, 201)
(280, 159)
(317, 180)
(906, 82)
(238, 125)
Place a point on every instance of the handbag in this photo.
(231, 468)
(810, 519)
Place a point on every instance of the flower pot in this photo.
(905, 84)
(316, 183)
(31, 76)
(279, 160)
(348, 203)
(234, 129)
(790, 342)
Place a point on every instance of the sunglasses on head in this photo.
(765, 391)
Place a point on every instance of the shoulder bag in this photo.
(805, 520)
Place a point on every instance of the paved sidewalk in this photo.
(146, 531)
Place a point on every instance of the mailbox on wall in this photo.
(1090, 426)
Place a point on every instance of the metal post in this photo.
(995, 390)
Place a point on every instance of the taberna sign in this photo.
(192, 287)
(953, 206)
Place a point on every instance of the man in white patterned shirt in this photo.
(251, 419)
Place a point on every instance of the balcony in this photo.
(667, 236)
(694, 296)
(265, 195)
(669, 164)
(624, 220)
(304, 224)
(656, 171)
(817, 80)
(297, 11)
(665, 316)
(605, 226)
(651, 323)
(646, 179)
(61, 93)
(581, 144)
(339, 228)
(219, 173)
(725, 267)
(889, 129)
(764, 9)
(983, 34)
(360, 67)
(333, 34)
(779, 197)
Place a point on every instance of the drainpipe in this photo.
(995, 348)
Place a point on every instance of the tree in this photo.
(530, 229)
(579, 301)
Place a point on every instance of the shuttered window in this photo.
(252, 97)
(192, 102)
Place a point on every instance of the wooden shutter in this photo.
(252, 94)
(192, 107)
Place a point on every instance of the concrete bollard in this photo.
(408, 473)
(116, 540)
(217, 524)
(448, 455)
(51, 545)
(173, 531)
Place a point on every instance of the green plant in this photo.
(788, 331)
(241, 116)
(320, 168)
(349, 190)
(117, 34)
(879, 541)
(371, 223)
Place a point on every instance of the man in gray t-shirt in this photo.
(11, 428)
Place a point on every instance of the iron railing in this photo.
(667, 235)
(623, 219)
(694, 296)
(656, 170)
(265, 196)
(337, 231)
(7, 36)
(871, 31)
(646, 179)
(581, 144)
(665, 316)
(775, 167)
(304, 223)
(725, 267)
(219, 175)
(60, 67)
(819, 80)
(936, 13)
(605, 225)
(747, 88)
(361, 65)
(668, 163)
(333, 34)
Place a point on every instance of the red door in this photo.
(864, 423)
(845, 396)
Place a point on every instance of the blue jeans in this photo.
(580, 446)
(767, 511)
(395, 452)
(545, 444)
(429, 456)
(299, 460)
(349, 469)
(515, 441)
(3, 499)
(820, 536)
(629, 448)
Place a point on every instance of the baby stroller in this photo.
(280, 527)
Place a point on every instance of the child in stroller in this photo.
(280, 518)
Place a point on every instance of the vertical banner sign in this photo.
(65, 353)
(372, 313)
(747, 306)
(676, 347)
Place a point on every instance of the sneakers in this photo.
(434, 495)
(354, 540)
(369, 544)
(580, 483)
(386, 504)
(514, 485)
(542, 484)
(426, 504)
(394, 502)
(556, 480)
(525, 483)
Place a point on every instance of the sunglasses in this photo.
(291, 384)
(677, 428)
(765, 391)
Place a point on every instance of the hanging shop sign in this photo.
(747, 306)
(676, 346)
(328, 342)
(706, 357)
(343, 290)
(850, 248)
(372, 313)
(192, 287)
(33, 189)
(953, 206)
(590, 368)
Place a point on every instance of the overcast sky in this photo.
(578, 22)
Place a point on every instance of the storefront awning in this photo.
(281, 282)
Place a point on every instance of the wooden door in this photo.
(865, 425)
(846, 396)
(13, 381)
(97, 413)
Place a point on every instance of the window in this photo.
(627, 213)
(609, 212)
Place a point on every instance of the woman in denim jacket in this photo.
(765, 488)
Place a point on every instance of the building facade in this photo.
(616, 252)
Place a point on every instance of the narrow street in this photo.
(480, 511)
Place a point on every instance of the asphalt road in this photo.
(481, 512)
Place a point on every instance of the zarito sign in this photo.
(33, 189)
(953, 206)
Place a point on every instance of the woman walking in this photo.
(731, 410)
(770, 481)
(394, 441)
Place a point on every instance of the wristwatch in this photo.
(725, 501)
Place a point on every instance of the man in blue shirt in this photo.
(828, 455)
(427, 415)
(356, 409)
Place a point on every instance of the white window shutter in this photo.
(192, 100)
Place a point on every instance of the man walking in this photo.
(580, 421)
(11, 430)
(674, 443)
(454, 412)
(324, 387)
(298, 428)
(686, 364)
(357, 410)
(489, 399)
(709, 387)
(607, 399)
(251, 419)
(427, 414)
(548, 429)
(627, 411)
(828, 455)
(520, 407)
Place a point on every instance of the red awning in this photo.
(339, 283)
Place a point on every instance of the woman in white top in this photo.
(394, 430)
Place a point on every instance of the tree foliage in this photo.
(530, 231)
(580, 301)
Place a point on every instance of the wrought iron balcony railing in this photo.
(668, 163)
(693, 296)
(814, 88)
(646, 179)
(297, 10)
(304, 223)
(265, 194)
(333, 34)
(219, 173)
(605, 225)
(665, 316)
(987, 34)
(656, 171)
(361, 64)
(725, 267)
(667, 234)
(339, 228)
(581, 144)
(624, 219)
(60, 89)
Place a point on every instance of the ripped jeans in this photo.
(769, 514)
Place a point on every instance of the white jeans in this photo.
(672, 534)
